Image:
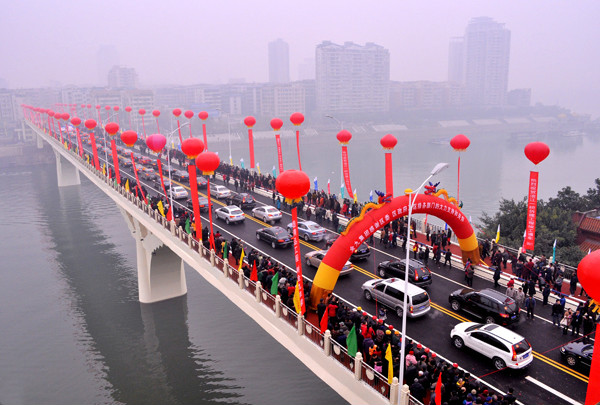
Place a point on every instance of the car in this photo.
(145, 160)
(276, 236)
(202, 204)
(219, 192)
(505, 347)
(489, 305)
(124, 162)
(179, 192)
(137, 156)
(180, 175)
(361, 253)
(267, 213)
(242, 200)
(309, 230)
(418, 273)
(229, 214)
(158, 186)
(146, 173)
(202, 182)
(315, 257)
(166, 169)
(577, 354)
(390, 292)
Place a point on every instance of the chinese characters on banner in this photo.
(529, 242)
(346, 168)
(279, 154)
(300, 285)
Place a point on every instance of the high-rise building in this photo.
(279, 61)
(106, 57)
(352, 78)
(120, 77)
(481, 59)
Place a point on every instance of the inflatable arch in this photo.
(361, 228)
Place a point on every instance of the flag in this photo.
(351, 342)
(324, 321)
(275, 284)
(589, 251)
(388, 357)
(230, 160)
(371, 196)
(258, 168)
(241, 260)
(88, 160)
(553, 252)
(170, 213)
(355, 196)
(342, 190)
(161, 208)
(497, 234)
(297, 305)
(438, 390)
(446, 226)
(187, 225)
(104, 169)
(316, 184)
(126, 183)
(242, 162)
(328, 184)
(225, 250)
(254, 273)
(274, 172)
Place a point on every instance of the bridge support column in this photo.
(40, 142)
(160, 271)
(66, 173)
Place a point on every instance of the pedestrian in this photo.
(565, 322)
(530, 306)
(588, 327)
(556, 313)
(469, 273)
(576, 323)
(545, 294)
(573, 284)
(448, 258)
(497, 273)
(510, 291)
(520, 297)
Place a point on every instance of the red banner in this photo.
(137, 180)
(251, 147)
(195, 204)
(298, 259)
(279, 154)
(94, 151)
(79, 145)
(346, 170)
(529, 242)
(160, 173)
(210, 220)
(113, 147)
(389, 177)
(204, 135)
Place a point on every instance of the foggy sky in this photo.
(554, 46)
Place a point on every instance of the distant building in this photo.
(352, 78)
(279, 62)
(281, 100)
(588, 230)
(425, 94)
(306, 69)
(519, 97)
(456, 60)
(107, 56)
(120, 77)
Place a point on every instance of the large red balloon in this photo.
(537, 151)
(177, 112)
(89, 106)
(208, 162)
(192, 147)
(203, 115)
(116, 108)
(588, 273)
(112, 128)
(460, 142)
(142, 111)
(297, 118)
(344, 136)
(293, 184)
(156, 142)
(189, 114)
(65, 116)
(129, 138)
(51, 113)
(388, 141)
(90, 124)
(128, 109)
(76, 121)
(107, 108)
(98, 106)
(249, 121)
(276, 124)
(156, 113)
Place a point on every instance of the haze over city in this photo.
(187, 42)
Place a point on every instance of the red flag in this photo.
(438, 390)
(279, 153)
(529, 242)
(170, 213)
(324, 321)
(346, 169)
(254, 273)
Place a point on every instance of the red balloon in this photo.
(98, 107)
(249, 121)
(90, 124)
(156, 113)
(51, 113)
(76, 121)
(460, 143)
(297, 118)
(293, 184)
(388, 141)
(192, 147)
(128, 109)
(129, 138)
(89, 106)
(276, 124)
(107, 108)
(82, 105)
(188, 114)
(116, 108)
(208, 162)
(344, 136)
(589, 275)
(537, 151)
(203, 115)
(142, 111)
(112, 128)
(156, 142)
(177, 112)
(65, 116)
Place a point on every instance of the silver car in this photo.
(315, 257)
(390, 292)
(179, 192)
(267, 213)
(220, 192)
(230, 214)
(309, 230)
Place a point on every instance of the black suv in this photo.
(242, 200)
(489, 305)
(418, 273)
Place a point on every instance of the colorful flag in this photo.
(187, 225)
(126, 183)
(170, 213)
(230, 160)
(324, 321)
(275, 284)
(553, 252)
(242, 162)
(316, 184)
(297, 304)
(355, 196)
(258, 168)
(342, 190)
(241, 260)
(328, 186)
(274, 172)
(388, 357)
(371, 196)
(497, 234)
(254, 273)
(438, 390)
(161, 208)
(104, 169)
(351, 342)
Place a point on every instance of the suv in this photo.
(489, 305)
(391, 292)
(503, 346)
(418, 273)
(242, 200)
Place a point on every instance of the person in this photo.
(448, 258)
(566, 320)
(546, 294)
(469, 273)
(497, 273)
(573, 284)
(576, 323)
(556, 313)
(530, 306)
(520, 297)
(588, 327)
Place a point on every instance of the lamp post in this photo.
(168, 136)
(341, 124)
(438, 168)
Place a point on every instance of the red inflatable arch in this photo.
(362, 228)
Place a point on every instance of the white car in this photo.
(267, 213)
(220, 192)
(315, 257)
(309, 230)
(179, 193)
(503, 346)
(230, 214)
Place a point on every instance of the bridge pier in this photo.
(39, 141)
(66, 173)
(160, 271)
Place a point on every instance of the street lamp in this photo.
(438, 168)
(168, 136)
(341, 164)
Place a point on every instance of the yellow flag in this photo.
(297, 299)
(497, 234)
(161, 208)
(388, 357)
(88, 159)
(258, 168)
(355, 196)
(126, 185)
(241, 260)
(104, 169)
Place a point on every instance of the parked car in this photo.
(309, 230)
(276, 236)
(229, 214)
(180, 175)
(267, 213)
(179, 192)
(242, 200)
(489, 305)
(418, 273)
(361, 253)
(315, 257)
(202, 204)
(502, 345)
(219, 192)
(390, 292)
(577, 354)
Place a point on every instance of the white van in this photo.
(390, 292)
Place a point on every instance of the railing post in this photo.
(358, 366)
(327, 343)
(301, 324)
(278, 306)
(212, 258)
(190, 240)
(404, 395)
(226, 270)
(257, 291)
(394, 391)
(172, 225)
(241, 280)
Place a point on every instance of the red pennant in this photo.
(254, 273)
(170, 213)
(324, 321)
(438, 391)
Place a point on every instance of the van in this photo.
(390, 292)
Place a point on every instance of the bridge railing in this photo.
(340, 353)
(375, 379)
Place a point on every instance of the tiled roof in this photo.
(589, 244)
(590, 225)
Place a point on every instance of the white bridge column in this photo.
(66, 173)
(39, 141)
(160, 271)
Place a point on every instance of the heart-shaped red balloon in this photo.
(537, 151)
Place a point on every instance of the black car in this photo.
(418, 273)
(202, 203)
(165, 169)
(180, 175)
(489, 305)
(276, 236)
(157, 183)
(577, 354)
(361, 253)
(242, 200)
(202, 182)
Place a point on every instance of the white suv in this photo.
(503, 346)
